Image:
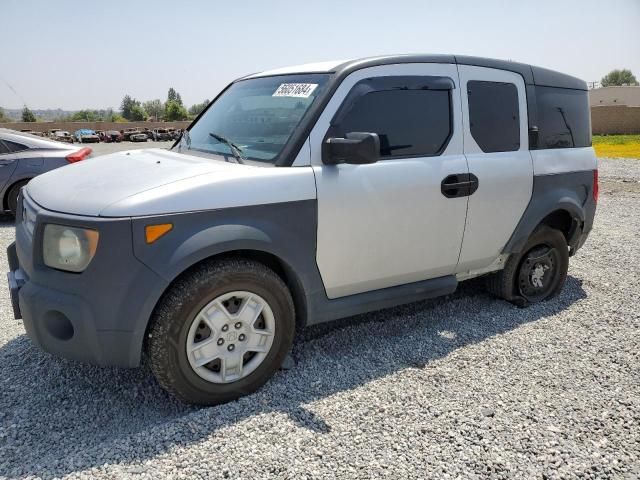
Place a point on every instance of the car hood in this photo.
(156, 182)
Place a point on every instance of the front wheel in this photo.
(537, 273)
(221, 331)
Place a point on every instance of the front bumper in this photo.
(98, 316)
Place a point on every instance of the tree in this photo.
(137, 113)
(86, 116)
(126, 106)
(174, 96)
(132, 110)
(195, 110)
(174, 111)
(27, 115)
(155, 108)
(3, 116)
(618, 77)
(116, 117)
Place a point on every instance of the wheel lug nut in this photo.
(241, 337)
(220, 341)
(238, 325)
(231, 347)
(225, 328)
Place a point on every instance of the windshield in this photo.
(257, 115)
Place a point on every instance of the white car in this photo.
(302, 195)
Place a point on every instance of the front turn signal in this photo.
(154, 232)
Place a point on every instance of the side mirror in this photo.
(356, 148)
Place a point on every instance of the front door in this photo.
(402, 219)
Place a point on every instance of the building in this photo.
(629, 96)
(615, 110)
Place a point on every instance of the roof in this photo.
(532, 75)
(623, 95)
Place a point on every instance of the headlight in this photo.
(68, 248)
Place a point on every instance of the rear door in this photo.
(389, 223)
(496, 145)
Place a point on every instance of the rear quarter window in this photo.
(564, 120)
(14, 146)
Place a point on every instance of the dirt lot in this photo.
(461, 387)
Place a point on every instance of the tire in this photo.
(12, 196)
(176, 318)
(537, 273)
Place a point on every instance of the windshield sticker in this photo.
(301, 90)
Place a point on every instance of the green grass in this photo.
(617, 146)
(615, 139)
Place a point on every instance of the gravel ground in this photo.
(461, 387)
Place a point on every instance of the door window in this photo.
(494, 119)
(3, 148)
(411, 115)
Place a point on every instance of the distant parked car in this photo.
(24, 156)
(112, 136)
(138, 137)
(126, 134)
(84, 135)
(32, 132)
(149, 134)
(62, 136)
(173, 133)
(161, 134)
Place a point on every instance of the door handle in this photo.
(459, 185)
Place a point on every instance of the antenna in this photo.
(14, 91)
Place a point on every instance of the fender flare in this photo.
(540, 206)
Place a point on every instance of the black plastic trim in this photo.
(322, 309)
(571, 192)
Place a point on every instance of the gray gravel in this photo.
(462, 387)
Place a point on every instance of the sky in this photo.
(73, 54)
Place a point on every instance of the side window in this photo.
(14, 147)
(494, 118)
(411, 115)
(563, 118)
(3, 148)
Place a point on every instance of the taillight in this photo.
(79, 155)
(596, 189)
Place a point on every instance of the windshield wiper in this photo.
(236, 151)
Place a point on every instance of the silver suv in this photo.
(302, 195)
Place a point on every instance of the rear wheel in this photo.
(537, 273)
(12, 196)
(221, 332)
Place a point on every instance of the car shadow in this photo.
(60, 416)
